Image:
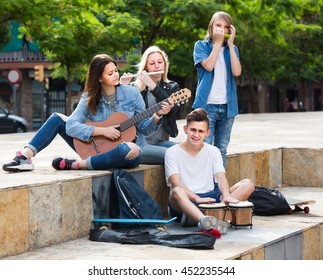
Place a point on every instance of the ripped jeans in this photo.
(56, 124)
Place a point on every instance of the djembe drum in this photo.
(241, 214)
(218, 210)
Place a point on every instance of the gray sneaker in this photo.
(19, 163)
(208, 223)
(222, 227)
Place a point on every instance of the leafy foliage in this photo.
(278, 40)
(4, 34)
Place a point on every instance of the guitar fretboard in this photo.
(137, 118)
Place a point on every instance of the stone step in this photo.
(292, 237)
(55, 209)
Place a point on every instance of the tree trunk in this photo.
(69, 94)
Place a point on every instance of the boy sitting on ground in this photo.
(195, 172)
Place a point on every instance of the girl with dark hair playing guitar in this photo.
(103, 97)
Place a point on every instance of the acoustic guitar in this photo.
(101, 144)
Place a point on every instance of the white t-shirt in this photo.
(218, 93)
(196, 172)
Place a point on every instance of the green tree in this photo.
(75, 32)
(273, 37)
(173, 26)
(4, 34)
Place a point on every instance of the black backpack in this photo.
(130, 200)
(268, 202)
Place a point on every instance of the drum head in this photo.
(212, 205)
(241, 204)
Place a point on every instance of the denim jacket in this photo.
(202, 50)
(129, 101)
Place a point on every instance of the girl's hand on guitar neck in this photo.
(110, 132)
(165, 109)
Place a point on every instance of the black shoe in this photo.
(60, 163)
(19, 163)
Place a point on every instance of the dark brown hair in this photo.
(93, 76)
(198, 115)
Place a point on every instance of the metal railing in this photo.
(27, 55)
(24, 55)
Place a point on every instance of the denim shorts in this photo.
(216, 194)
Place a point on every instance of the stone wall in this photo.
(303, 167)
(278, 167)
(264, 168)
(42, 215)
(35, 216)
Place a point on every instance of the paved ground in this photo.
(251, 132)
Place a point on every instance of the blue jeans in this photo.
(48, 131)
(220, 128)
(115, 158)
(54, 125)
(155, 154)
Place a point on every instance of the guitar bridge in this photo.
(95, 146)
(135, 139)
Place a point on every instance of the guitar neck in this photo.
(139, 117)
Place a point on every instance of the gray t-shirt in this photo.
(160, 134)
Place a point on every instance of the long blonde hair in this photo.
(143, 66)
(221, 16)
